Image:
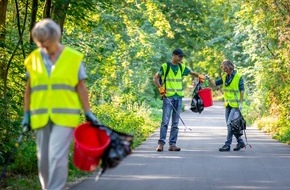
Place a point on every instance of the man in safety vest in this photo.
(171, 89)
(233, 87)
(54, 96)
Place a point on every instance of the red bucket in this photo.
(206, 96)
(89, 145)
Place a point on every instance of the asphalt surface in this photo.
(199, 165)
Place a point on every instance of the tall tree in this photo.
(33, 17)
(3, 11)
(47, 9)
(59, 11)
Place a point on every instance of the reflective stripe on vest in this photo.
(174, 82)
(231, 92)
(54, 97)
(54, 86)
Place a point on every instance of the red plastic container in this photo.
(206, 96)
(89, 145)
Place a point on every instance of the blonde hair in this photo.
(228, 64)
(46, 29)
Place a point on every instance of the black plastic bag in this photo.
(196, 102)
(118, 149)
(238, 123)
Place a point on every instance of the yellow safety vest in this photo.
(232, 92)
(173, 82)
(54, 97)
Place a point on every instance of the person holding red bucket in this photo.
(54, 96)
(233, 87)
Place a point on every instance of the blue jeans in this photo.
(229, 116)
(176, 102)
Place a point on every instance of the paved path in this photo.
(199, 165)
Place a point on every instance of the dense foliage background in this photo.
(126, 41)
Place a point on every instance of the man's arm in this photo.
(200, 77)
(156, 80)
(194, 74)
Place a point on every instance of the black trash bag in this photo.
(196, 102)
(118, 149)
(238, 123)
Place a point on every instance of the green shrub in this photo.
(22, 169)
(133, 119)
(25, 160)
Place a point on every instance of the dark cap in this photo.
(178, 52)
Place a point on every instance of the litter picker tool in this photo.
(177, 114)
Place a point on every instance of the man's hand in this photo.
(162, 91)
(92, 118)
(201, 78)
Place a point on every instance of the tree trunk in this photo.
(46, 9)
(59, 11)
(3, 9)
(33, 16)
